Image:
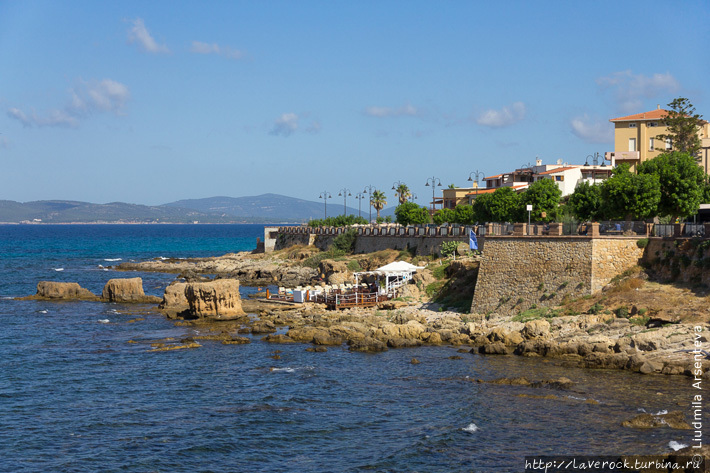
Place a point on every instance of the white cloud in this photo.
(504, 117)
(214, 48)
(289, 123)
(631, 89)
(85, 99)
(381, 112)
(285, 125)
(592, 131)
(140, 34)
(58, 118)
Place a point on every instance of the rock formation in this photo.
(217, 299)
(64, 291)
(126, 290)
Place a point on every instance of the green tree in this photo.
(544, 195)
(586, 201)
(444, 216)
(681, 181)
(452, 186)
(410, 213)
(627, 196)
(482, 208)
(683, 125)
(465, 215)
(403, 193)
(504, 206)
(378, 201)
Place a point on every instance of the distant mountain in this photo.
(266, 208)
(61, 211)
(272, 207)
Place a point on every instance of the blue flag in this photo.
(472, 241)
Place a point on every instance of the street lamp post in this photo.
(359, 196)
(345, 193)
(595, 161)
(478, 175)
(433, 181)
(369, 190)
(412, 197)
(325, 196)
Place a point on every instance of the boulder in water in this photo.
(217, 299)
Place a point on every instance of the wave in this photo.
(58, 269)
(113, 259)
(103, 321)
(285, 370)
(661, 413)
(43, 312)
(470, 428)
(675, 446)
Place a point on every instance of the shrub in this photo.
(339, 221)
(642, 243)
(622, 312)
(448, 248)
(596, 308)
(345, 242)
(354, 266)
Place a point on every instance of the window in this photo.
(668, 144)
(559, 178)
(650, 124)
(632, 144)
(650, 144)
(632, 125)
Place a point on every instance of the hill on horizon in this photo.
(266, 206)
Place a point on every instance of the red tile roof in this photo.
(553, 171)
(488, 191)
(652, 115)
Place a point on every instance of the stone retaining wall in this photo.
(420, 239)
(517, 272)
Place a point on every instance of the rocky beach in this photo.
(654, 332)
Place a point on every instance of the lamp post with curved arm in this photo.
(433, 181)
(359, 196)
(369, 190)
(478, 175)
(344, 192)
(325, 196)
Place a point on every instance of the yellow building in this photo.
(456, 196)
(636, 137)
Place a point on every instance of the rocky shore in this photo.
(249, 269)
(585, 333)
(588, 341)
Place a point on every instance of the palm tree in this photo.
(403, 193)
(378, 201)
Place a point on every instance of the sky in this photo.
(153, 102)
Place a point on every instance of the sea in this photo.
(80, 390)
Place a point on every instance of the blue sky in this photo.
(152, 102)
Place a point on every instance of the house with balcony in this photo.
(636, 137)
(566, 176)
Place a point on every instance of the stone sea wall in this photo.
(421, 240)
(519, 272)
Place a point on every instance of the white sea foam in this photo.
(58, 269)
(470, 428)
(661, 413)
(113, 259)
(285, 370)
(103, 321)
(43, 311)
(675, 446)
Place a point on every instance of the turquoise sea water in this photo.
(75, 396)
